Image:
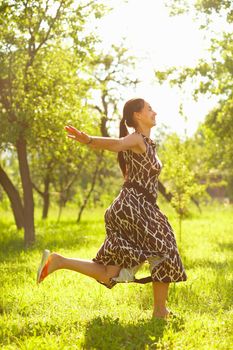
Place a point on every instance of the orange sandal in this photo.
(43, 268)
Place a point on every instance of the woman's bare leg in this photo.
(160, 291)
(89, 268)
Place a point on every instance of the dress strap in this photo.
(138, 132)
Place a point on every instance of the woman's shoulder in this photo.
(146, 138)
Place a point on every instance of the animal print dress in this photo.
(136, 230)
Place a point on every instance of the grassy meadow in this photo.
(71, 311)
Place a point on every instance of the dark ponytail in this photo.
(131, 106)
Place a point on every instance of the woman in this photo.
(137, 231)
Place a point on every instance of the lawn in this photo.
(72, 311)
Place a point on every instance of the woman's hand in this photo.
(77, 135)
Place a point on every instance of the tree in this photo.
(179, 176)
(112, 72)
(54, 159)
(35, 31)
(211, 77)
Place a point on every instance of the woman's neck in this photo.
(144, 131)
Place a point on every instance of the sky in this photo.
(159, 41)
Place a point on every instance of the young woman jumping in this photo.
(136, 229)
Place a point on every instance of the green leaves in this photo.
(178, 172)
(211, 77)
(43, 47)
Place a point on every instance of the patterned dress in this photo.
(136, 230)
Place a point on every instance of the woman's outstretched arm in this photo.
(107, 143)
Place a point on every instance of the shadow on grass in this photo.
(214, 278)
(205, 263)
(107, 333)
(51, 235)
(227, 246)
(11, 240)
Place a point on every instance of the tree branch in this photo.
(37, 190)
(51, 27)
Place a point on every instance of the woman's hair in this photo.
(131, 106)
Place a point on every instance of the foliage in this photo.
(113, 72)
(42, 53)
(204, 10)
(43, 56)
(179, 174)
(52, 71)
(211, 77)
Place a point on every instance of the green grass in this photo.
(72, 311)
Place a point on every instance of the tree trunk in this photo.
(59, 212)
(46, 198)
(168, 196)
(162, 190)
(94, 179)
(29, 230)
(14, 197)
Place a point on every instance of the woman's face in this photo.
(146, 116)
